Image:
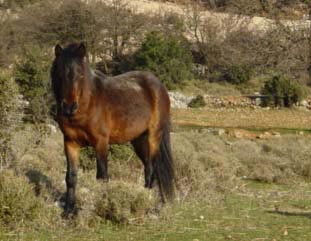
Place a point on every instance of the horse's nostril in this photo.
(74, 107)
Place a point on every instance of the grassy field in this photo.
(253, 212)
(244, 118)
(227, 188)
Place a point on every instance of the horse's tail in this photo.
(164, 165)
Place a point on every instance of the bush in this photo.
(282, 91)
(88, 159)
(116, 153)
(32, 75)
(167, 56)
(10, 117)
(122, 202)
(237, 74)
(197, 102)
(18, 201)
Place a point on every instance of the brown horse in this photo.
(94, 110)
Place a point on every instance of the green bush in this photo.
(88, 159)
(116, 153)
(237, 74)
(282, 91)
(32, 75)
(197, 102)
(122, 202)
(18, 201)
(167, 56)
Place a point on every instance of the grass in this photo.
(248, 214)
(280, 119)
(227, 189)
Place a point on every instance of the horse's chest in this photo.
(78, 134)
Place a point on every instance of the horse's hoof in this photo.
(102, 178)
(70, 213)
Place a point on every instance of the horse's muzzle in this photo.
(69, 110)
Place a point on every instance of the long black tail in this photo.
(164, 166)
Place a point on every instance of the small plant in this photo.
(88, 159)
(10, 117)
(197, 102)
(282, 91)
(116, 153)
(18, 201)
(122, 202)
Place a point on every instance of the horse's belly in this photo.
(128, 126)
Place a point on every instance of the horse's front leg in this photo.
(102, 159)
(72, 151)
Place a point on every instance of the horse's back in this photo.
(135, 100)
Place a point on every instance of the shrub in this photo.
(32, 75)
(237, 74)
(18, 201)
(88, 159)
(197, 102)
(282, 91)
(116, 153)
(10, 117)
(167, 56)
(122, 202)
(120, 152)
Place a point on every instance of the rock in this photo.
(276, 134)
(179, 100)
(219, 132)
(243, 134)
(264, 136)
(52, 128)
(304, 103)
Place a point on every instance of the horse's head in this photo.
(68, 77)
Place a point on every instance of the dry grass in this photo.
(208, 169)
(244, 118)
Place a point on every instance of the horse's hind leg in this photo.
(141, 147)
(102, 159)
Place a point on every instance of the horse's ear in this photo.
(82, 50)
(58, 50)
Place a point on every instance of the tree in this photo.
(167, 56)
(281, 91)
(32, 75)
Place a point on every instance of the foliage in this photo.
(120, 152)
(72, 21)
(32, 75)
(167, 56)
(10, 116)
(14, 4)
(88, 159)
(237, 74)
(197, 102)
(18, 201)
(122, 202)
(282, 91)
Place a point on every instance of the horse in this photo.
(96, 110)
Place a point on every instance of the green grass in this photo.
(254, 211)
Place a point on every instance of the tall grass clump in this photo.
(123, 203)
(18, 201)
(10, 117)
